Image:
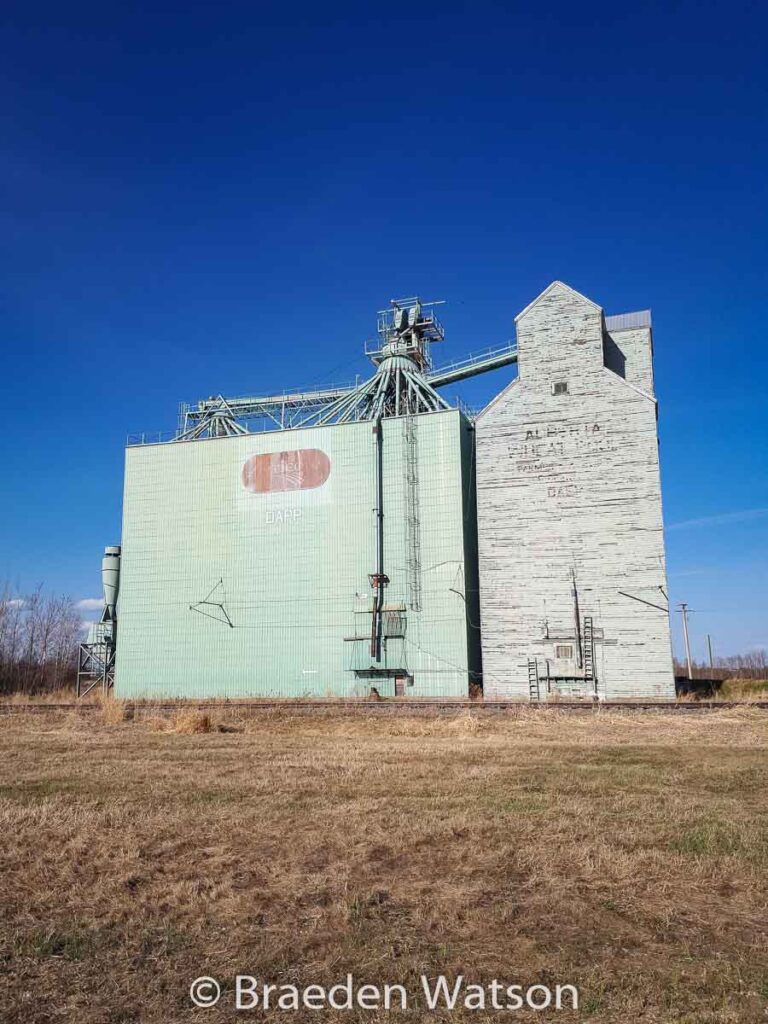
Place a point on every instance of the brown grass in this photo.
(744, 689)
(625, 854)
(186, 723)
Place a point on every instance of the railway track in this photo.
(385, 707)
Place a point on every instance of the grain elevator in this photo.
(332, 555)
(374, 539)
(573, 587)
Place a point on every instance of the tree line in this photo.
(753, 665)
(39, 635)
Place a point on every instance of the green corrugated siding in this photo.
(294, 566)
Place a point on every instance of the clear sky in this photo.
(204, 198)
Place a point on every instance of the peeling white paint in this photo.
(568, 487)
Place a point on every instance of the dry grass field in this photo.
(623, 854)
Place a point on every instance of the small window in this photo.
(564, 651)
(560, 387)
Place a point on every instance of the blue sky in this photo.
(217, 198)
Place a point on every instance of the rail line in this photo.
(386, 707)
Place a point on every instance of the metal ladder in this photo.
(589, 650)
(533, 680)
(412, 518)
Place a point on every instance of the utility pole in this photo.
(684, 613)
(709, 648)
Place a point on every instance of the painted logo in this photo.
(299, 470)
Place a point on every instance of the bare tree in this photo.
(38, 641)
(752, 665)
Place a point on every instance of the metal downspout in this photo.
(577, 621)
(378, 598)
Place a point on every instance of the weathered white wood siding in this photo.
(630, 354)
(568, 487)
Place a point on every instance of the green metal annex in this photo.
(246, 563)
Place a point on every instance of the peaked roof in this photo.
(551, 287)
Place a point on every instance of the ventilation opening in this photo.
(564, 651)
(560, 387)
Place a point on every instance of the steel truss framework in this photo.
(404, 383)
(95, 666)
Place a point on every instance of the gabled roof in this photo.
(495, 401)
(565, 287)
